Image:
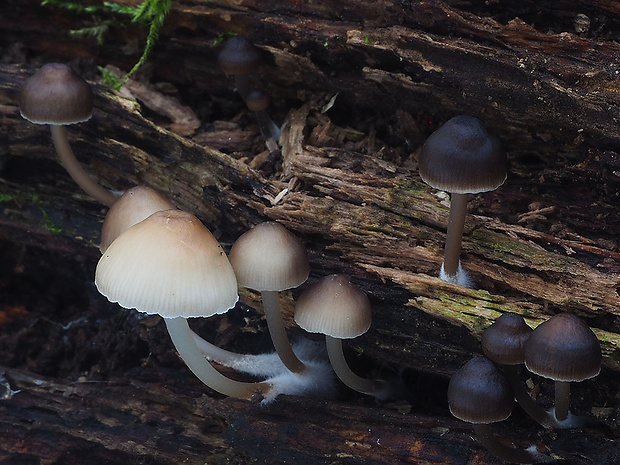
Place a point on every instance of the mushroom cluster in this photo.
(563, 348)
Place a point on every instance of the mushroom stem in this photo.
(562, 400)
(184, 342)
(504, 452)
(215, 353)
(275, 323)
(243, 85)
(73, 167)
(456, 225)
(268, 128)
(373, 387)
(535, 411)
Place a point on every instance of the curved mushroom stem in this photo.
(373, 387)
(504, 452)
(454, 235)
(73, 167)
(215, 353)
(562, 400)
(184, 342)
(271, 306)
(535, 411)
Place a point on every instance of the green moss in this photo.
(149, 14)
(506, 249)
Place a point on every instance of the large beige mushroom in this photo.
(171, 265)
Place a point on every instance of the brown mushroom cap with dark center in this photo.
(478, 393)
(257, 101)
(56, 95)
(238, 56)
(463, 157)
(504, 341)
(563, 348)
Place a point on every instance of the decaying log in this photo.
(166, 421)
(545, 242)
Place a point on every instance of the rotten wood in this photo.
(168, 420)
(545, 242)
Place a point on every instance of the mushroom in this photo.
(135, 205)
(503, 342)
(268, 258)
(239, 57)
(258, 102)
(461, 158)
(58, 96)
(566, 350)
(479, 394)
(171, 265)
(339, 310)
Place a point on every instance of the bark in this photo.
(168, 420)
(544, 242)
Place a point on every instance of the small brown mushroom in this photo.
(58, 96)
(461, 158)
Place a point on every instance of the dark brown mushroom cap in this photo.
(479, 393)
(257, 100)
(504, 341)
(56, 95)
(462, 157)
(238, 56)
(563, 348)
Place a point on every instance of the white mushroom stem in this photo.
(373, 387)
(562, 400)
(217, 354)
(73, 167)
(275, 323)
(504, 452)
(188, 350)
(454, 235)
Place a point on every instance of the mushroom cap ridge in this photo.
(335, 307)
(462, 157)
(56, 94)
(479, 393)
(563, 348)
(169, 264)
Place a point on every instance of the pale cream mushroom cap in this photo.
(169, 264)
(269, 257)
(334, 307)
(135, 205)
